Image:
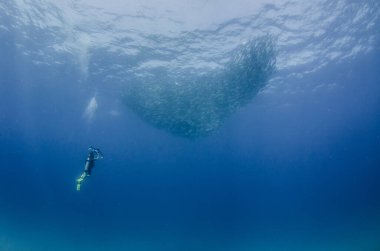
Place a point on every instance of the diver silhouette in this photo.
(93, 154)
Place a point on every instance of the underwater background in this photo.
(225, 125)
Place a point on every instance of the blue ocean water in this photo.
(224, 126)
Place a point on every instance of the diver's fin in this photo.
(80, 180)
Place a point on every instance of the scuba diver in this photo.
(93, 154)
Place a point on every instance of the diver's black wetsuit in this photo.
(93, 154)
(90, 163)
